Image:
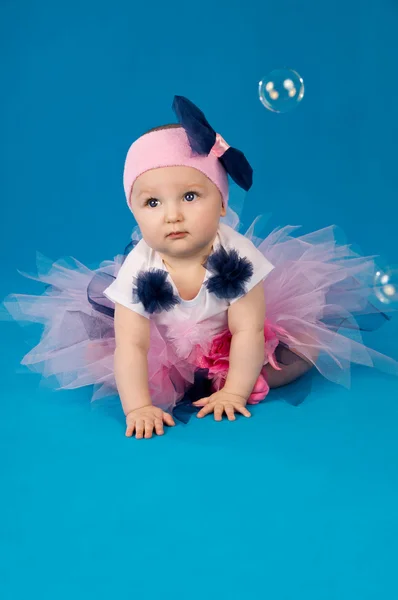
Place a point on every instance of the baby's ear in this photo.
(223, 209)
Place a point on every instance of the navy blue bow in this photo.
(202, 138)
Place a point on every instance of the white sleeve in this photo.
(121, 290)
(262, 267)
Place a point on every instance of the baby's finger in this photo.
(159, 427)
(205, 411)
(230, 412)
(243, 410)
(218, 411)
(201, 402)
(149, 425)
(139, 429)
(130, 429)
(168, 419)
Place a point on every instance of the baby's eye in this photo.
(149, 202)
(189, 196)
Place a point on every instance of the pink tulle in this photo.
(315, 284)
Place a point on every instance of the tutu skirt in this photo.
(318, 302)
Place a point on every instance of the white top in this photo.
(205, 305)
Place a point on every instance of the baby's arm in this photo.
(246, 323)
(132, 334)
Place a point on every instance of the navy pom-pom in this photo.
(154, 292)
(231, 272)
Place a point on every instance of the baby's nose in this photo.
(174, 213)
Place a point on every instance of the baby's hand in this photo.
(222, 401)
(146, 419)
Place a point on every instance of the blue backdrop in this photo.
(295, 502)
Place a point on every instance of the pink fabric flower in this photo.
(217, 359)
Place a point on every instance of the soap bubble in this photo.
(281, 90)
(386, 285)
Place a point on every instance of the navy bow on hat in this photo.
(202, 138)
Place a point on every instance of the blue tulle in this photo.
(154, 292)
(230, 273)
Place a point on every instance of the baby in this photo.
(165, 201)
(196, 301)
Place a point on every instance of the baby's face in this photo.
(171, 199)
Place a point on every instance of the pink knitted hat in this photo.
(170, 148)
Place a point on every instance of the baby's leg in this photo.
(291, 370)
(288, 373)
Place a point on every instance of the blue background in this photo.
(295, 502)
